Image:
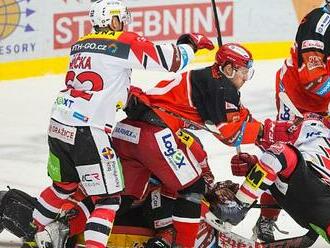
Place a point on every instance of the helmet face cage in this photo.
(102, 11)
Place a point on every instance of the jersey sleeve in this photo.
(146, 55)
(242, 129)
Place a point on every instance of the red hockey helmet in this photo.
(235, 54)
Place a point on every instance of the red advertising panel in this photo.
(154, 22)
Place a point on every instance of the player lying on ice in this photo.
(132, 227)
(296, 171)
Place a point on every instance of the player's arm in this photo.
(313, 72)
(166, 57)
(240, 128)
(311, 46)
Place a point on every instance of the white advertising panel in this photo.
(32, 29)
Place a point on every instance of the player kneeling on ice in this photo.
(294, 168)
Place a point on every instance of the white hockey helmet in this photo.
(102, 11)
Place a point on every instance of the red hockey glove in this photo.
(242, 163)
(196, 40)
(278, 131)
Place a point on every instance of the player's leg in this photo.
(100, 175)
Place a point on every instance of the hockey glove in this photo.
(196, 40)
(278, 131)
(242, 163)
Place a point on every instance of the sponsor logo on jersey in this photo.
(277, 148)
(285, 113)
(155, 199)
(80, 117)
(230, 106)
(314, 62)
(62, 101)
(313, 134)
(127, 132)
(312, 44)
(325, 88)
(281, 186)
(103, 46)
(108, 153)
(64, 133)
(323, 24)
(175, 157)
(163, 222)
(91, 179)
(112, 172)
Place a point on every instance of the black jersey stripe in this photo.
(162, 57)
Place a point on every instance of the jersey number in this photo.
(94, 79)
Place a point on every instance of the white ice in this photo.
(24, 116)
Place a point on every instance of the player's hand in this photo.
(196, 40)
(278, 131)
(242, 163)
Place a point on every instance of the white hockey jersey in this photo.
(314, 144)
(99, 75)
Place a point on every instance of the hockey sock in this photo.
(78, 222)
(50, 202)
(269, 213)
(186, 219)
(99, 224)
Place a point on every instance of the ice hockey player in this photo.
(83, 115)
(155, 130)
(305, 77)
(295, 170)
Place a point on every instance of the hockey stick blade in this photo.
(286, 100)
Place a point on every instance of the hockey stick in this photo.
(216, 22)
